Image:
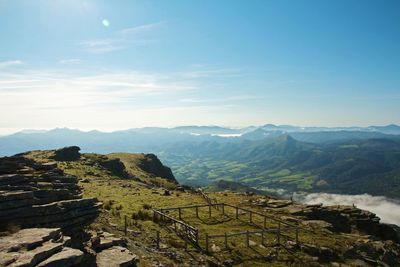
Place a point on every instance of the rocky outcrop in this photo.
(38, 247)
(41, 195)
(70, 153)
(153, 165)
(115, 166)
(349, 218)
(374, 253)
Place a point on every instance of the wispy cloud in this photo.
(49, 88)
(70, 61)
(212, 72)
(10, 63)
(85, 97)
(100, 46)
(142, 28)
(122, 39)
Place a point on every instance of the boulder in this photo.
(106, 240)
(70, 153)
(116, 257)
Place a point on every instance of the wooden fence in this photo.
(191, 233)
(181, 228)
(247, 234)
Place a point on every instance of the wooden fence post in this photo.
(278, 233)
(209, 211)
(180, 213)
(126, 226)
(237, 212)
(223, 208)
(262, 238)
(251, 217)
(207, 242)
(197, 211)
(226, 241)
(297, 235)
(158, 239)
(265, 222)
(247, 238)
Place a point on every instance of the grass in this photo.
(134, 198)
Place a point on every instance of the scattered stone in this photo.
(215, 248)
(228, 263)
(252, 243)
(106, 240)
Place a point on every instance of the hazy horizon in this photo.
(12, 131)
(114, 65)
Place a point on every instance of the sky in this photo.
(112, 65)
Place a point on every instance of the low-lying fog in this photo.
(388, 210)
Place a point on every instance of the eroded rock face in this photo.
(41, 195)
(115, 166)
(153, 165)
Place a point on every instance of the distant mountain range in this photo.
(142, 139)
(270, 157)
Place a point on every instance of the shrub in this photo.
(108, 204)
(141, 215)
(146, 206)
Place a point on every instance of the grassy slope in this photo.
(128, 197)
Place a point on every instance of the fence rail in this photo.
(247, 234)
(191, 233)
(181, 228)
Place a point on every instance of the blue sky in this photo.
(121, 64)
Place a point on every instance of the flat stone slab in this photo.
(28, 239)
(116, 257)
(66, 258)
(33, 257)
(107, 240)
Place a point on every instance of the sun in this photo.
(106, 23)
